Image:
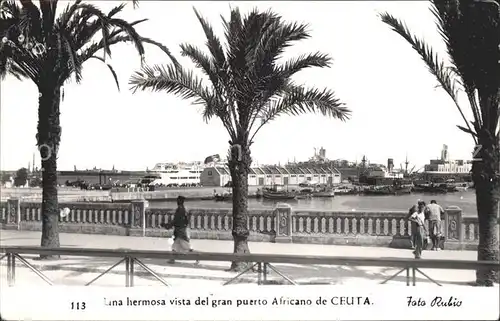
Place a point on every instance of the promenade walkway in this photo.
(79, 270)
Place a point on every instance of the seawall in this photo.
(282, 224)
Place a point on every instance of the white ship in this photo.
(174, 174)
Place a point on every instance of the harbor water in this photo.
(465, 200)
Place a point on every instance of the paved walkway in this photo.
(78, 270)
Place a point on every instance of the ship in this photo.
(174, 174)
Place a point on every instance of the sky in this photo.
(397, 110)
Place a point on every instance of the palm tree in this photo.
(248, 88)
(470, 31)
(49, 50)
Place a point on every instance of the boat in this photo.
(271, 195)
(462, 187)
(344, 190)
(379, 190)
(274, 193)
(389, 190)
(324, 192)
(436, 189)
(223, 197)
(305, 192)
(401, 190)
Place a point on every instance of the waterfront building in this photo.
(215, 176)
(269, 175)
(446, 167)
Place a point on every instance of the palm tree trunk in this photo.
(487, 197)
(48, 137)
(239, 174)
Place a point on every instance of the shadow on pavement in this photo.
(216, 271)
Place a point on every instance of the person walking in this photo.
(435, 212)
(181, 232)
(417, 220)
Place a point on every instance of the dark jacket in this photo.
(179, 223)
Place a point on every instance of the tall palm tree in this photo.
(49, 50)
(248, 88)
(471, 33)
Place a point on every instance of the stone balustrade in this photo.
(282, 224)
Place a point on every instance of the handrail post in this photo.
(138, 216)
(407, 276)
(131, 271)
(264, 273)
(13, 262)
(259, 273)
(413, 276)
(14, 213)
(127, 271)
(283, 223)
(453, 226)
(11, 269)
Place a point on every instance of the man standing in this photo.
(417, 220)
(435, 212)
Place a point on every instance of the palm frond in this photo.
(16, 71)
(19, 58)
(297, 100)
(175, 80)
(130, 31)
(68, 12)
(446, 77)
(201, 60)
(75, 64)
(117, 10)
(246, 81)
(30, 21)
(102, 19)
(171, 80)
(111, 69)
(213, 43)
(162, 48)
(454, 24)
(293, 66)
(117, 38)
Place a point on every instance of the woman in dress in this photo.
(181, 232)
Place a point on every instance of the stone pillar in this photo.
(14, 213)
(137, 219)
(283, 223)
(453, 225)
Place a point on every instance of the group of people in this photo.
(420, 233)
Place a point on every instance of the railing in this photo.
(280, 225)
(262, 262)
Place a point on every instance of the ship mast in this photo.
(406, 164)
